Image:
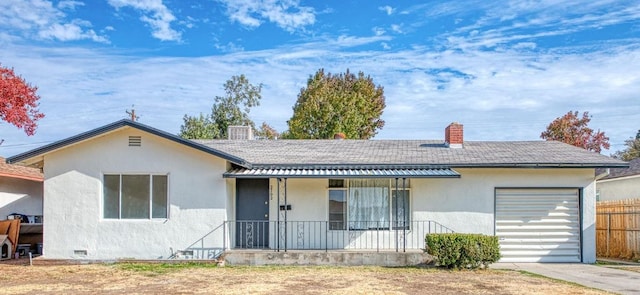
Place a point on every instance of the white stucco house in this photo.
(127, 190)
(619, 183)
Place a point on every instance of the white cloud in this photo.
(155, 14)
(69, 4)
(69, 32)
(345, 41)
(387, 9)
(378, 31)
(40, 19)
(425, 90)
(229, 47)
(397, 28)
(510, 92)
(525, 45)
(286, 14)
(516, 22)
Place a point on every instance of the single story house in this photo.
(619, 183)
(127, 190)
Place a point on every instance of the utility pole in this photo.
(132, 113)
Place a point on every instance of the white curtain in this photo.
(368, 203)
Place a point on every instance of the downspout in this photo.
(404, 209)
(396, 221)
(278, 216)
(285, 215)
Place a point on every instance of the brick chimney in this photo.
(453, 135)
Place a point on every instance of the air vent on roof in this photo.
(135, 140)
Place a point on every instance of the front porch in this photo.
(314, 243)
(370, 236)
(328, 243)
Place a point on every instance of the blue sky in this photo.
(504, 69)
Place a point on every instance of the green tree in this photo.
(632, 151)
(573, 130)
(266, 131)
(231, 109)
(197, 127)
(347, 103)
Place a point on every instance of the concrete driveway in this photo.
(599, 277)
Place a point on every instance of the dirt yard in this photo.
(208, 279)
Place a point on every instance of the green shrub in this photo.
(463, 250)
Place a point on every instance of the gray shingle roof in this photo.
(354, 154)
(634, 169)
(409, 153)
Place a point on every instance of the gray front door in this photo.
(252, 213)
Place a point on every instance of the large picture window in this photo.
(368, 204)
(136, 196)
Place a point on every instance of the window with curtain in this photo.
(137, 196)
(368, 204)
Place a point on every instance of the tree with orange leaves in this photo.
(18, 101)
(573, 130)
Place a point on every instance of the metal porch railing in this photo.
(326, 235)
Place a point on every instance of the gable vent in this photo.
(135, 140)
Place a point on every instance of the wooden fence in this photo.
(618, 229)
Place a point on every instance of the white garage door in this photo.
(538, 225)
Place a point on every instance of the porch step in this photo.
(337, 258)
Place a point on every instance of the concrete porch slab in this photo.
(336, 258)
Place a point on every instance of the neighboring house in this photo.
(619, 183)
(20, 190)
(21, 197)
(127, 190)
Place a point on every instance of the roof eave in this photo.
(25, 177)
(41, 151)
(439, 166)
(542, 165)
(324, 173)
(254, 176)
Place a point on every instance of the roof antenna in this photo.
(132, 113)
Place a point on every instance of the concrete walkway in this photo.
(599, 277)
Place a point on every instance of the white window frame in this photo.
(150, 217)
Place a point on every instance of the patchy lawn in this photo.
(207, 279)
